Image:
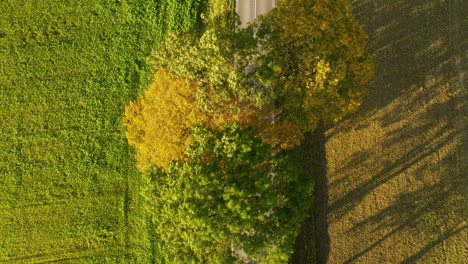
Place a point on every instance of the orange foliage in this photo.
(280, 134)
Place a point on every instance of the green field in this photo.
(68, 185)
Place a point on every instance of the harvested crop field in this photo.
(396, 170)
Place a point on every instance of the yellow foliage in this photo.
(330, 63)
(158, 124)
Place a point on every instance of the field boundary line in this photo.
(50, 258)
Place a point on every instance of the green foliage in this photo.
(233, 195)
(177, 15)
(212, 60)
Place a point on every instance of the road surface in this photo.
(248, 10)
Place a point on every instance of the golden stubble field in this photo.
(396, 170)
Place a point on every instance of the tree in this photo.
(158, 123)
(212, 60)
(313, 59)
(234, 194)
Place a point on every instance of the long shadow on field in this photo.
(410, 40)
(444, 200)
(313, 243)
(409, 158)
(417, 100)
(414, 60)
(443, 237)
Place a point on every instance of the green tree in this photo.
(234, 194)
(213, 60)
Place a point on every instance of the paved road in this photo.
(248, 10)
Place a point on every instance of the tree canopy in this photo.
(313, 58)
(212, 59)
(308, 55)
(158, 123)
(225, 101)
(234, 194)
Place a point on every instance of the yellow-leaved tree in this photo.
(158, 124)
(313, 58)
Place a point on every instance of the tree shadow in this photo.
(446, 199)
(313, 243)
(443, 237)
(443, 199)
(411, 47)
(391, 168)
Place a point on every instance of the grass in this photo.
(68, 185)
(396, 169)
